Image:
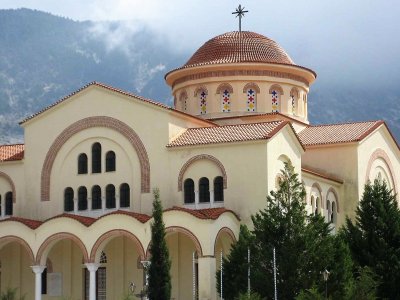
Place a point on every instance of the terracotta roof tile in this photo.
(227, 134)
(94, 83)
(337, 133)
(11, 152)
(33, 224)
(87, 221)
(140, 217)
(206, 213)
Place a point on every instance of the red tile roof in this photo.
(140, 217)
(228, 134)
(337, 133)
(239, 47)
(110, 88)
(11, 152)
(33, 224)
(206, 213)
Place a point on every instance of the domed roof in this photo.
(238, 47)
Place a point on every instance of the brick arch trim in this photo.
(380, 153)
(11, 238)
(11, 182)
(197, 158)
(40, 256)
(333, 191)
(116, 233)
(276, 87)
(199, 90)
(294, 92)
(187, 232)
(224, 86)
(223, 230)
(99, 121)
(251, 85)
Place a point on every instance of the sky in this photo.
(354, 42)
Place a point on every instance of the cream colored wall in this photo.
(15, 170)
(340, 161)
(238, 98)
(16, 271)
(382, 140)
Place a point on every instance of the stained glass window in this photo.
(275, 101)
(226, 101)
(251, 100)
(203, 102)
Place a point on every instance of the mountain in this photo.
(45, 57)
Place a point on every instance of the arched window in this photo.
(82, 198)
(328, 211)
(124, 195)
(110, 196)
(96, 158)
(9, 204)
(333, 213)
(219, 189)
(183, 100)
(96, 197)
(225, 101)
(251, 102)
(82, 164)
(110, 161)
(317, 204)
(204, 190)
(188, 190)
(275, 98)
(312, 203)
(68, 199)
(202, 95)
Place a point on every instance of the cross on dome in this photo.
(240, 13)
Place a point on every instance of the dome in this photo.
(238, 47)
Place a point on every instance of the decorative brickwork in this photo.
(224, 86)
(8, 178)
(276, 87)
(197, 158)
(251, 85)
(100, 121)
(46, 246)
(106, 237)
(221, 232)
(380, 153)
(11, 238)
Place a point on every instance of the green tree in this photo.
(235, 267)
(365, 287)
(160, 264)
(374, 237)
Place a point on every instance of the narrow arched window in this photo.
(9, 204)
(204, 190)
(82, 164)
(203, 102)
(188, 190)
(110, 196)
(328, 210)
(251, 102)
(110, 161)
(96, 158)
(219, 189)
(317, 203)
(68, 199)
(96, 197)
(333, 213)
(124, 195)
(82, 198)
(225, 101)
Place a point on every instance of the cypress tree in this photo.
(160, 264)
(374, 237)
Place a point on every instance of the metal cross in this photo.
(240, 13)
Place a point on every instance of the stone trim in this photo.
(276, 87)
(258, 73)
(197, 158)
(12, 238)
(223, 230)
(90, 122)
(224, 86)
(333, 191)
(172, 229)
(380, 153)
(107, 237)
(251, 85)
(8, 178)
(41, 256)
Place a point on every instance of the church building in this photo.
(76, 197)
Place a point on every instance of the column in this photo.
(207, 280)
(75, 205)
(92, 268)
(212, 198)
(3, 208)
(103, 203)
(196, 198)
(38, 270)
(117, 201)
